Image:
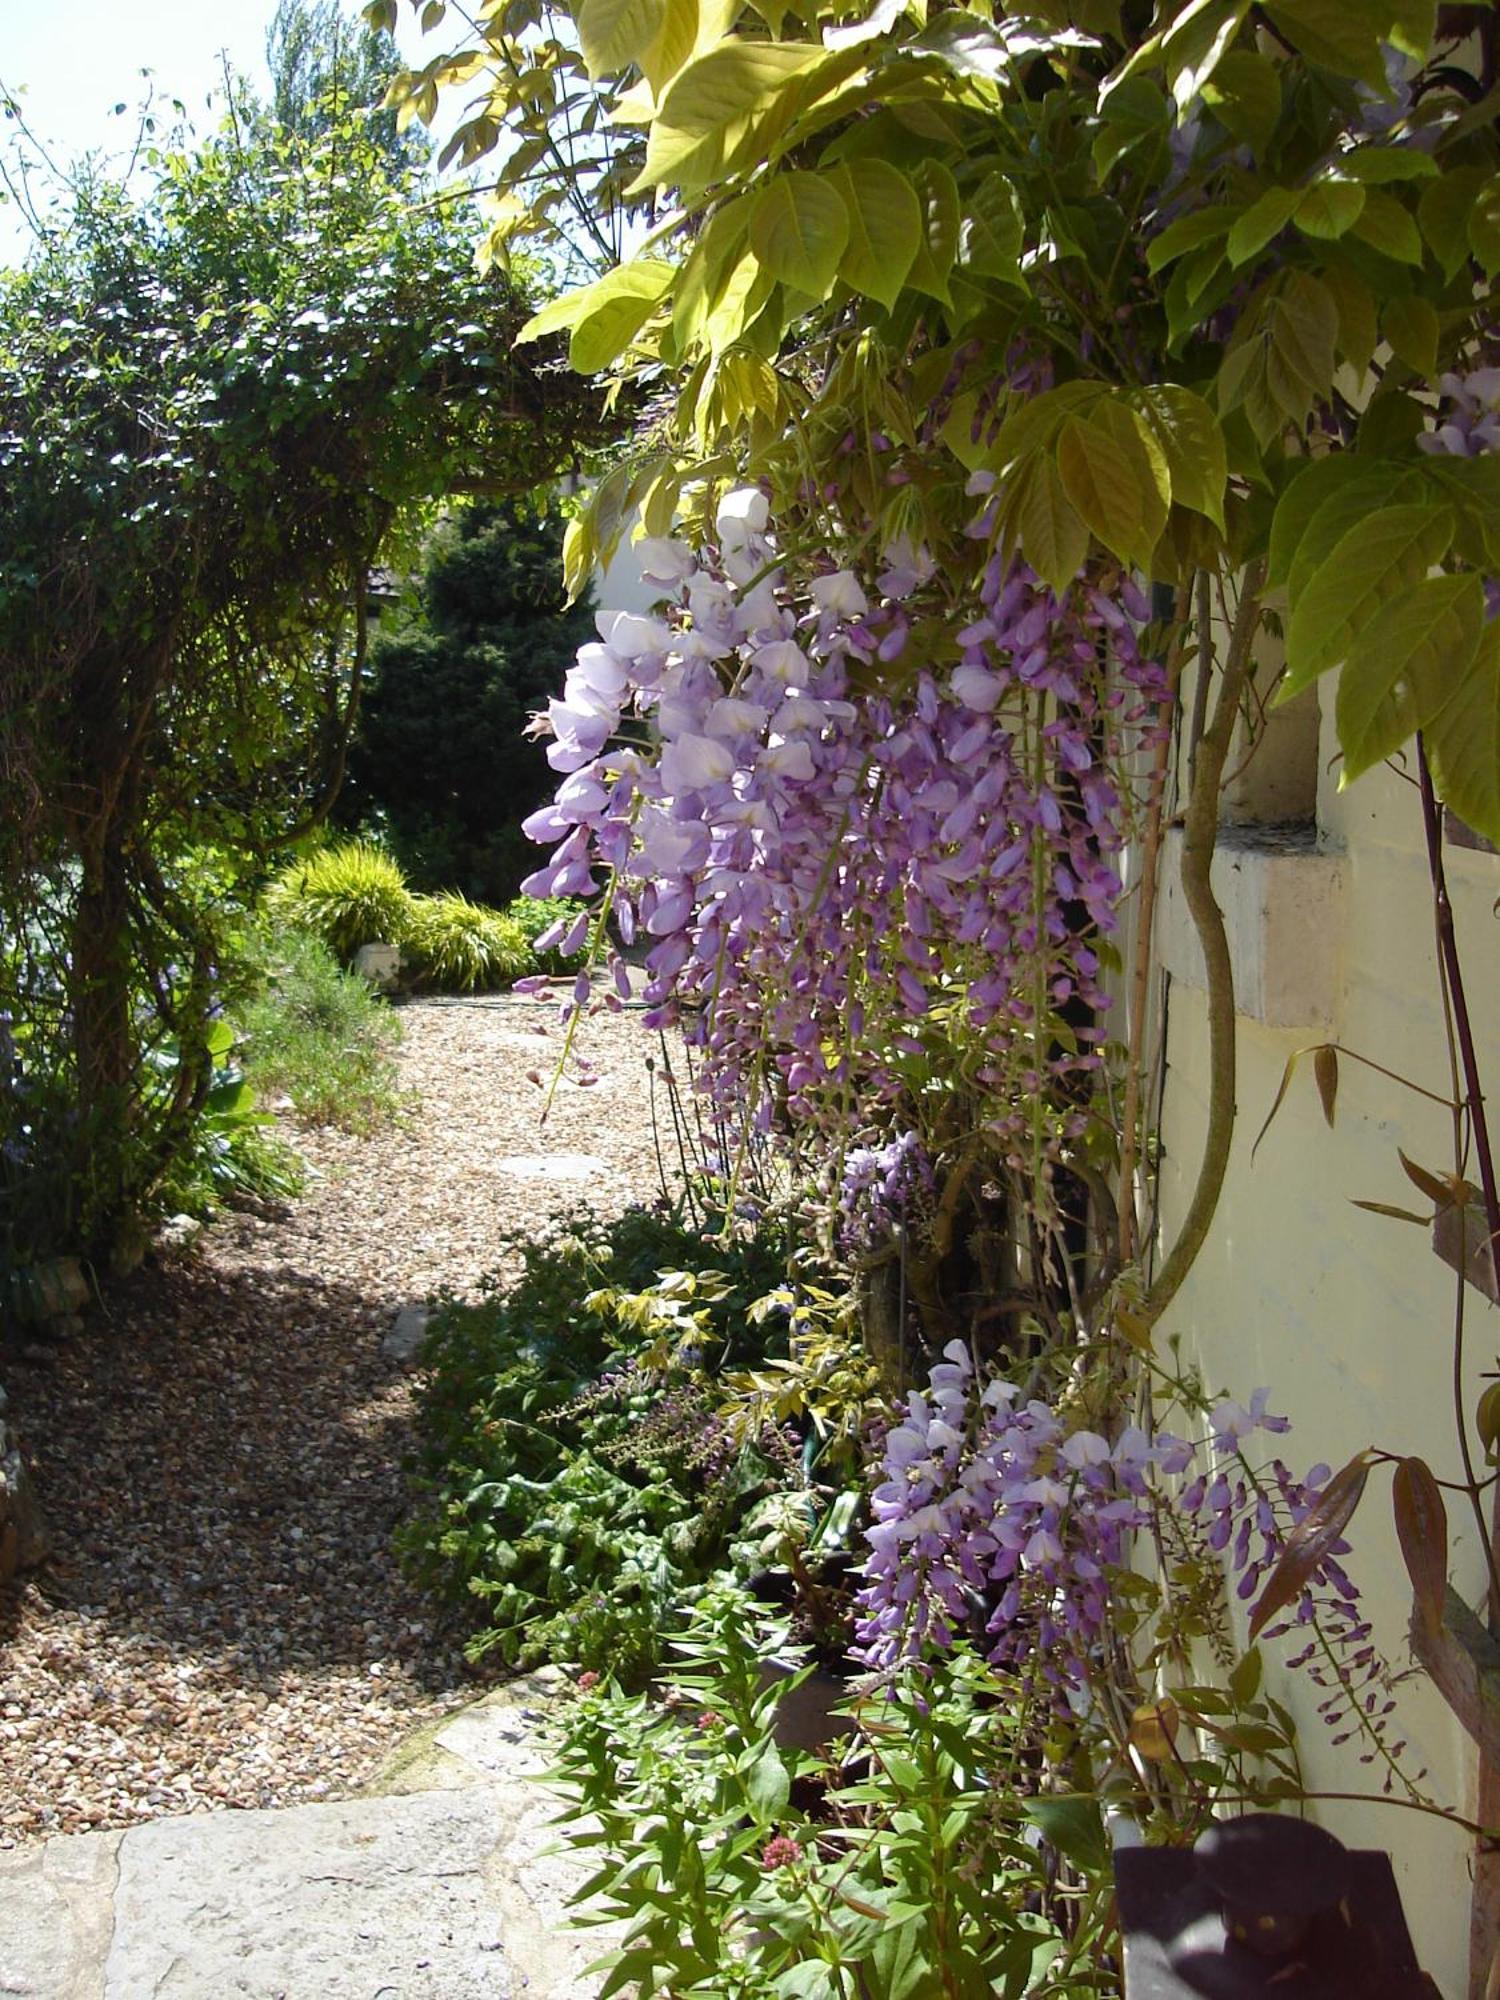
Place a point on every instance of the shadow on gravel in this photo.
(219, 1461)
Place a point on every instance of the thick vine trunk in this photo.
(113, 707)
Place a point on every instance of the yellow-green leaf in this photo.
(1443, 212)
(1396, 670)
(1263, 219)
(741, 296)
(1484, 226)
(1375, 165)
(1378, 557)
(710, 102)
(1387, 226)
(1190, 232)
(1330, 208)
(1244, 94)
(937, 194)
(1053, 538)
(1413, 24)
(1320, 509)
(1188, 433)
(701, 283)
(992, 235)
(676, 37)
(1463, 741)
(1341, 35)
(1111, 481)
(1196, 43)
(642, 283)
(613, 33)
(1411, 326)
(1354, 303)
(798, 229)
(885, 228)
(1303, 324)
(1034, 425)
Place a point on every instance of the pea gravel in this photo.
(218, 1453)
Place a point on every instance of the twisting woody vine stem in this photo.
(1200, 828)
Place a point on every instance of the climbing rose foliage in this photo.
(848, 859)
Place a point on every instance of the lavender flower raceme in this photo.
(990, 1502)
(877, 1187)
(831, 871)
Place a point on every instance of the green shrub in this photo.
(573, 1475)
(348, 895)
(461, 947)
(318, 1035)
(536, 915)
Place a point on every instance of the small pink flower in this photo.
(781, 1851)
(587, 1681)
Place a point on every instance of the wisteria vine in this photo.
(843, 854)
(997, 1518)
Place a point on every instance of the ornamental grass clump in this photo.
(348, 895)
(462, 947)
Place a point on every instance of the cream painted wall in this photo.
(1347, 1317)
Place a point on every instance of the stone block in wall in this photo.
(1283, 902)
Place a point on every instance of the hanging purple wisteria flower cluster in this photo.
(995, 1519)
(878, 1189)
(841, 860)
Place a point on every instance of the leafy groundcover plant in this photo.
(575, 1479)
(893, 1866)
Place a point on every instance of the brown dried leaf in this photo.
(1422, 1528)
(1396, 1214)
(1439, 1188)
(1153, 1729)
(1281, 1090)
(1309, 1542)
(1326, 1073)
(1322, 1053)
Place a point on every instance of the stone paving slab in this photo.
(366, 1899)
(443, 1889)
(56, 1917)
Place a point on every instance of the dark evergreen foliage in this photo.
(442, 764)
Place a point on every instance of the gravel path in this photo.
(219, 1454)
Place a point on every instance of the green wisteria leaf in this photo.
(1369, 565)
(885, 228)
(1463, 741)
(798, 230)
(1401, 667)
